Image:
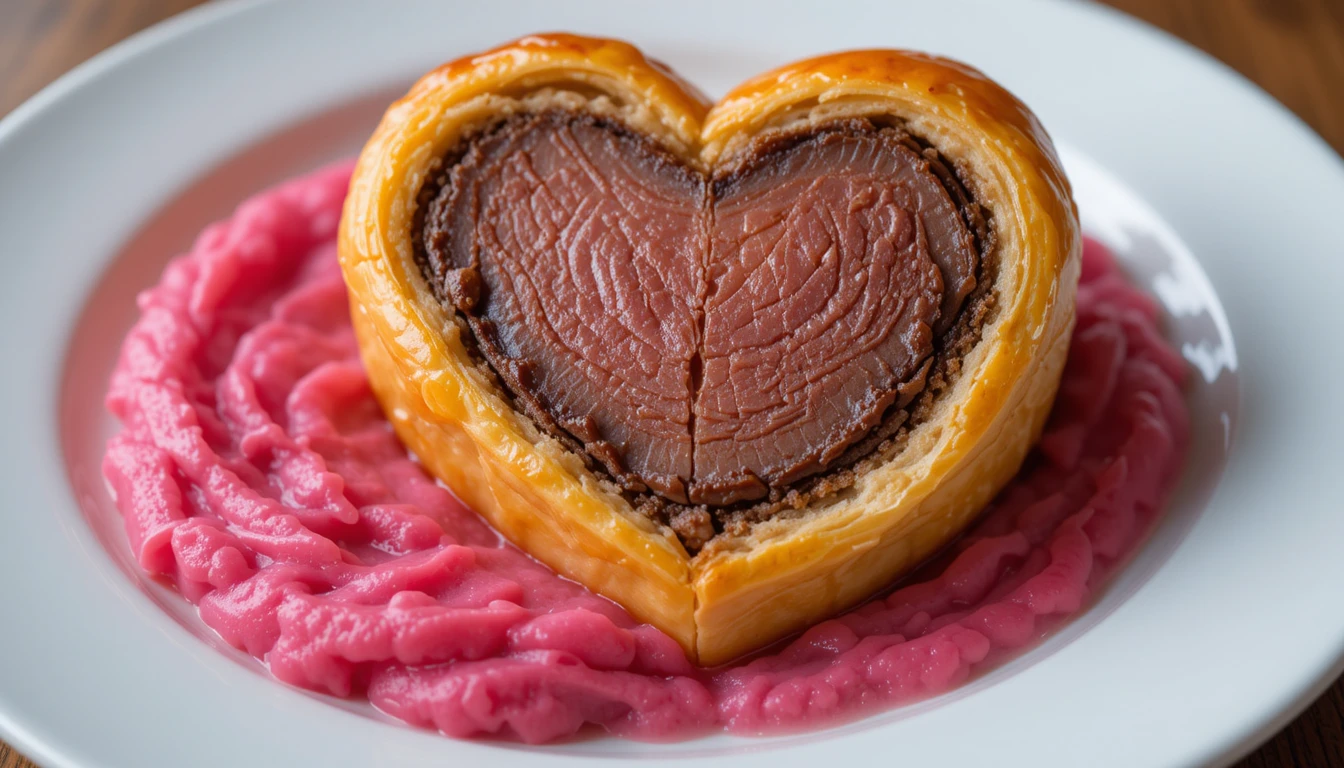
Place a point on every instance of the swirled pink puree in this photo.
(257, 473)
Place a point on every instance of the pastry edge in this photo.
(739, 593)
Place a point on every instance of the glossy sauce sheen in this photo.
(257, 473)
(705, 338)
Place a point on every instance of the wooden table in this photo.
(1292, 48)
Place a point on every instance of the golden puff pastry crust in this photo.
(743, 589)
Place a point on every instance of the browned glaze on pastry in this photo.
(776, 564)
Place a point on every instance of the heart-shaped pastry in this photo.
(735, 367)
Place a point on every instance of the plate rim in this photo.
(89, 72)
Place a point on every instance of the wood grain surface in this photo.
(1292, 48)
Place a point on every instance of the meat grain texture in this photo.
(709, 338)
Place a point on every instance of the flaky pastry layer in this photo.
(739, 592)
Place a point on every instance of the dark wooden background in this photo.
(1292, 48)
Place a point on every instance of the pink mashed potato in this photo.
(257, 474)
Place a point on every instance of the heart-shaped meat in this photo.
(708, 337)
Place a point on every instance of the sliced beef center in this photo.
(573, 248)
(707, 341)
(836, 260)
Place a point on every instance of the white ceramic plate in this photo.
(1225, 625)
